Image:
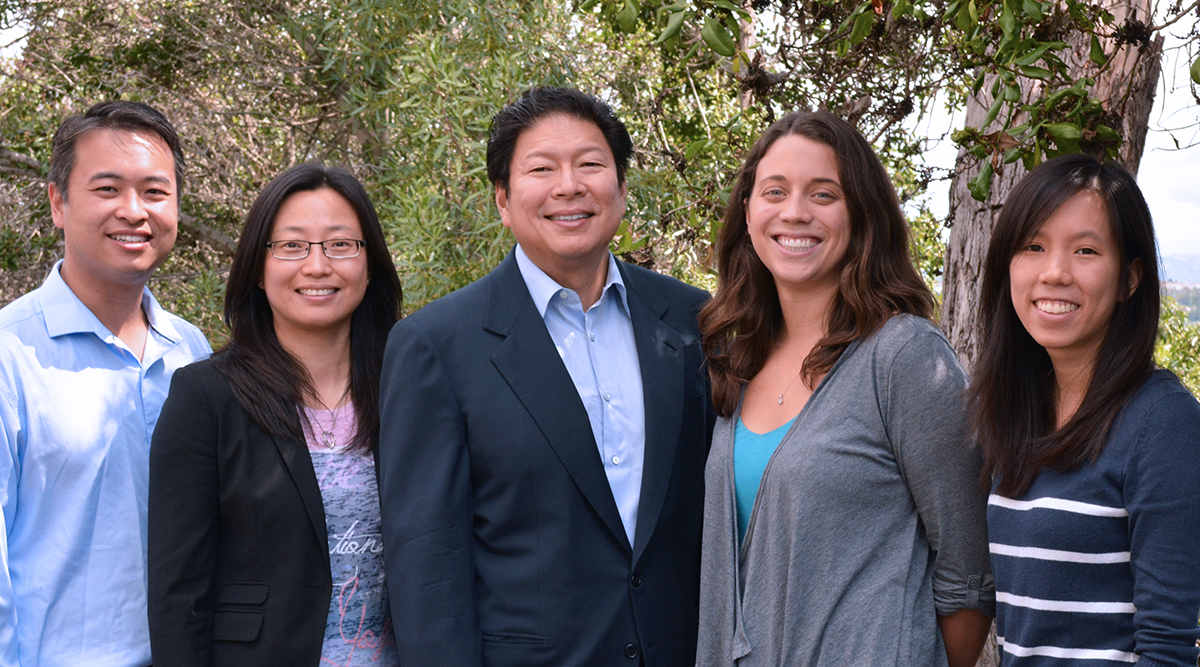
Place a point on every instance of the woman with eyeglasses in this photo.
(264, 541)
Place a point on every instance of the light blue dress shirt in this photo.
(600, 353)
(77, 409)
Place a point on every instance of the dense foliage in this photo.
(401, 92)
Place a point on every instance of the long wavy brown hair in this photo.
(743, 323)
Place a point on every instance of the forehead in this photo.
(130, 154)
(798, 156)
(321, 210)
(557, 134)
(1084, 214)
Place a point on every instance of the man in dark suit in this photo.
(545, 429)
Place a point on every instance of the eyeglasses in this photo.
(333, 248)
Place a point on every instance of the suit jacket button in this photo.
(636, 580)
(631, 651)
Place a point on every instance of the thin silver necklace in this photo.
(327, 436)
(789, 386)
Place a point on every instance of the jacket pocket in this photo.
(246, 593)
(515, 638)
(236, 626)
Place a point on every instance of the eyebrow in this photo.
(292, 229)
(114, 175)
(820, 180)
(552, 153)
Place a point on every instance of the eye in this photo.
(289, 245)
(1087, 251)
(339, 244)
(774, 192)
(1033, 247)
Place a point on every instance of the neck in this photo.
(1072, 375)
(326, 357)
(585, 280)
(117, 306)
(806, 313)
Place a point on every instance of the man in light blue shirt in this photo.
(85, 364)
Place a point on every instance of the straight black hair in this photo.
(1013, 385)
(267, 380)
(538, 103)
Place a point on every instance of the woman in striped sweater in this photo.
(1092, 453)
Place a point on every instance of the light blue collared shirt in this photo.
(77, 409)
(600, 353)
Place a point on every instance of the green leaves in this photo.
(981, 184)
(1195, 71)
(718, 38)
(1097, 54)
(863, 25)
(628, 16)
(674, 25)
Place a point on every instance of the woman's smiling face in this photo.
(1065, 282)
(797, 217)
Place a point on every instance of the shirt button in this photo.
(616, 460)
(631, 651)
(607, 397)
(636, 580)
(591, 336)
(562, 294)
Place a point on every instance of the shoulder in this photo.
(908, 336)
(462, 304)
(1162, 408)
(671, 289)
(192, 337)
(200, 378)
(15, 317)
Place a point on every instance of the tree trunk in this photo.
(1126, 89)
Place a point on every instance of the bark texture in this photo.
(1125, 87)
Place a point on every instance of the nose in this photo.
(568, 183)
(131, 207)
(795, 209)
(1056, 269)
(316, 264)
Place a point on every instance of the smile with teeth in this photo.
(797, 244)
(317, 292)
(1055, 307)
(128, 238)
(570, 218)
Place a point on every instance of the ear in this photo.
(502, 205)
(1135, 276)
(56, 205)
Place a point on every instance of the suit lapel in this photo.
(660, 356)
(299, 464)
(536, 374)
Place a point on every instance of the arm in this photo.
(964, 632)
(1161, 482)
(427, 516)
(183, 526)
(927, 424)
(8, 508)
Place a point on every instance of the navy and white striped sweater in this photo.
(1100, 566)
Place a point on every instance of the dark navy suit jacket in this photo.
(503, 543)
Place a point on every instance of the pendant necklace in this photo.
(327, 437)
(789, 386)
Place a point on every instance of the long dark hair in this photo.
(1013, 385)
(743, 323)
(267, 380)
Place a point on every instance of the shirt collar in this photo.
(542, 287)
(66, 314)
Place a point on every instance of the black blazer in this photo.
(238, 553)
(504, 544)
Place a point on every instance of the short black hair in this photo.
(112, 115)
(537, 103)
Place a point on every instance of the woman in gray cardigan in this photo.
(844, 523)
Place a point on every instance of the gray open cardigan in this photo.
(869, 521)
